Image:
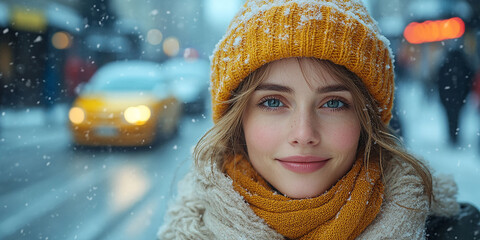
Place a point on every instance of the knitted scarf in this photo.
(342, 212)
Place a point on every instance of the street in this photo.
(50, 189)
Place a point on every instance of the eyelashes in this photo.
(336, 104)
(271, 102)
(274, 103)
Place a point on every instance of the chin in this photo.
(299, 193)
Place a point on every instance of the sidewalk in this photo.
(27, 128)
(33, 116)
(425, 131)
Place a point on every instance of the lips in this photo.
(303, 164)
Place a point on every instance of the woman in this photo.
(302, 96)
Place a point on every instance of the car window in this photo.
(122, 85)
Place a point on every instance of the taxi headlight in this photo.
(76, 115)
(138, 115)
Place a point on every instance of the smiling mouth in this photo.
(303, 164)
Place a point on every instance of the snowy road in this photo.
(50, 190)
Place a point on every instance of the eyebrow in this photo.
(332, 88)
(285, 89)
(274, 87)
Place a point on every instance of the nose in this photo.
(304, 130)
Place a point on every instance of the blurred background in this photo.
(102, 102)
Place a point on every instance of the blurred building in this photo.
(33, 39)
(169, 27)
(49, 47)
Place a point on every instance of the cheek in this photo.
(345, 136)
(261, 138)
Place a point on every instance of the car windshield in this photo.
(123, 85)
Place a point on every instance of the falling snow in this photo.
(49, 179)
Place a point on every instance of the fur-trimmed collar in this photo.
(209, 208)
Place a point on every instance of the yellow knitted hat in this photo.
(341, 31)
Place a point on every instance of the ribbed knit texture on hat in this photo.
(341, 31)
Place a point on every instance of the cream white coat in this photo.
(209, 208)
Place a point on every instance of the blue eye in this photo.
(272, 103)
(334, 104)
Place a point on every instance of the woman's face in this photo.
(301, 136)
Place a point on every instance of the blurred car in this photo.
(126, 103)
(190, 79)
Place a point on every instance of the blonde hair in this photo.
(226, 138)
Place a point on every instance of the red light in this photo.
(434, 31)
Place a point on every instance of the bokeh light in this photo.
(434, 31)
(76, 115)
(61, 40)
(154, 36)
(171, 46)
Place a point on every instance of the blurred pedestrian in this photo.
(50, 88)
(78, 71)
(300, 149)
(74, 66)
(454, 84)
(396, 123)
(476, 89)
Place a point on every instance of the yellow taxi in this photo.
(127, 103)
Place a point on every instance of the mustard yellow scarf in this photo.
(343, 212)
